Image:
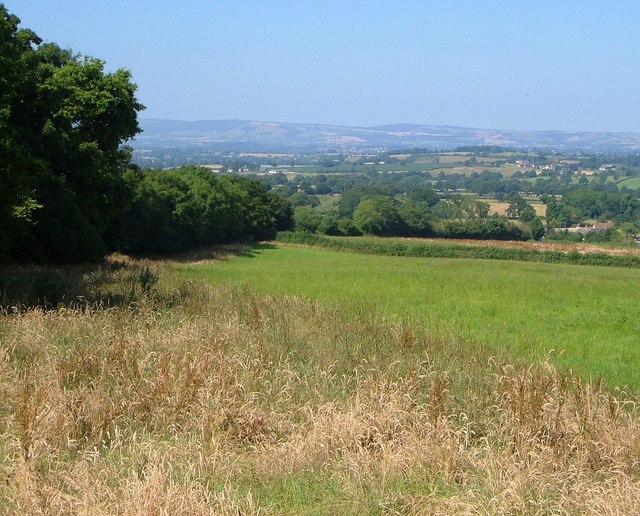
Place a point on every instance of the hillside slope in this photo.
(289, 136)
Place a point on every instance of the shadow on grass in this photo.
(117, 280)
(257, 249)
(112, 282)
(219, 252)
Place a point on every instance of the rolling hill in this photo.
(253, 135)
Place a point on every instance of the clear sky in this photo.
(501, 64)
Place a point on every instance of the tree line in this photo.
(422, 213)
(452, 205)
(68, 190)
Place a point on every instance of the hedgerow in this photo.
(452, 250)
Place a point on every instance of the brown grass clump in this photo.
(200, 400)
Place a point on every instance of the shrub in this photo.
(306, 219)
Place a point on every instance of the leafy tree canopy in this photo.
(63, 121)
(180, 209)
(377, 215)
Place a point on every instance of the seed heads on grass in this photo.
(231, 402)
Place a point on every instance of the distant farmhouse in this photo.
(523, 163)
(585, 230)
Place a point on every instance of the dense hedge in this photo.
(490, 228)
(176, 210)
(447, 250)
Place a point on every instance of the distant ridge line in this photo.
(314, 136)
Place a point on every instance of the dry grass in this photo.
(500, 208)
(546, 245)
(216, 401)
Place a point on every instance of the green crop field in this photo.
(586, 317)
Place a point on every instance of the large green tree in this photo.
(63, 120)
(416, 217)
(15, 203)
(377, 215)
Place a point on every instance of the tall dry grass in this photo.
(186, 399)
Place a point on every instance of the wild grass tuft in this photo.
(190, 399)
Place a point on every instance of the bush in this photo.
(330, 224)
(306, 219)
(492, 228)
(563, 236)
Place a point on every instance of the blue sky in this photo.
(510, 64)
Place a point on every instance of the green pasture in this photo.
(632, 182)
(448, 163)
(344, 168)
(586, 318)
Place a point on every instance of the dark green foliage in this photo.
(536, 228)
(63, 121)
(600, 236)
(282, 211)
(349, 202)
(447, 210)
(377, 215)
(304, 199)
(177, 210)
(306, 219)
(66, 191)
(417, 218)
(330, 224)
(563, 236)
(552, 210)
(518, 207)
(351, 198)
(15, 195)
(424, 194)
(491, 228)
(347, 228)
(590, 203)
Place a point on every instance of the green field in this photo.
(149, 394)
(632, 182)
(345, 168)
(587, 317)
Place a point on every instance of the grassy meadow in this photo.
(585, 316)
(149, 394)
(632, 182)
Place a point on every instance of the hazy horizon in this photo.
(418, 124)
(570, 66)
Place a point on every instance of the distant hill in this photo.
(253, 135)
